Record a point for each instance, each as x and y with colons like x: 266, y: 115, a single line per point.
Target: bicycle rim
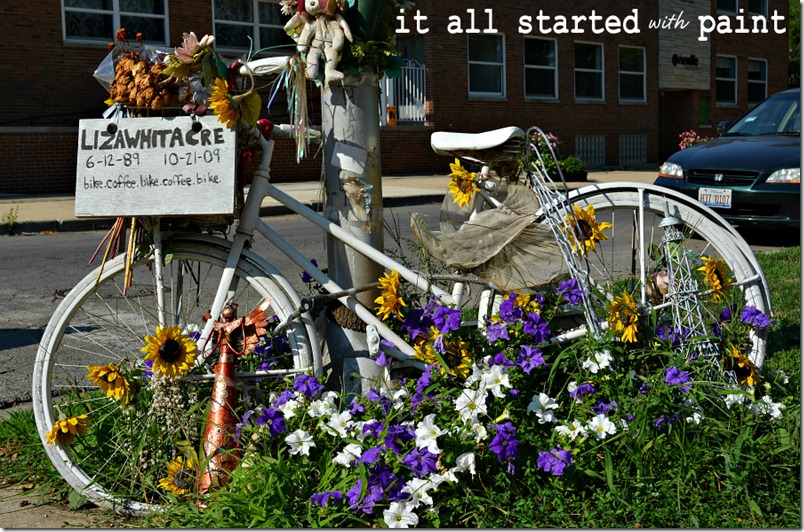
x: 633, y: 255
x: 126, y: 451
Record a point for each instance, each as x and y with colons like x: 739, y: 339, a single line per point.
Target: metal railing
x: 406, y: 93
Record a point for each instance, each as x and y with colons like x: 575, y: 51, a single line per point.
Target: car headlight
x: 787, y: 176
x: 671, y: 170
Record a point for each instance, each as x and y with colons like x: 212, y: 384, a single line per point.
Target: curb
x: 97, y: 224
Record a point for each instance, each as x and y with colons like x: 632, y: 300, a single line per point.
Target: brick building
x: 614, y: 96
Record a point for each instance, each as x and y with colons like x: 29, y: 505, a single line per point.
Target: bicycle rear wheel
x: 633, y: 256
x: 135, y: 435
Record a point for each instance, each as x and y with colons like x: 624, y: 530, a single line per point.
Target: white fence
x: 408, y: 93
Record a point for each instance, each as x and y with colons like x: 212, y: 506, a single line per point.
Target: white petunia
x: 400, y: 515
x: 696, y: 418
x: 601, y: 426
x: 543, y: 406
x: 464, y: 462
x: 289, y: 408
x: 733, y: 399
x: 471, y: 403
x: 349, y: 454
x: 324, y: 406
x: 600, y: 360
x: 493, y: 380
x: 573, y: 429
x: 300, y: 442
x: 427, y: 432
x: 766, y: 406
x: 418, y: 488
x: 338, y: 424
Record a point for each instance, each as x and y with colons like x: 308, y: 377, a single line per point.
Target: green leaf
x: 76, y: 500
x: 250, y: 104
x: 610, y: 473
x: 754, y: 507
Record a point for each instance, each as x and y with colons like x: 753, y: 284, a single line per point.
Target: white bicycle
x: 179, y: 276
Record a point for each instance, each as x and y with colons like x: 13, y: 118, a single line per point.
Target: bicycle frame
x: 251, y: 223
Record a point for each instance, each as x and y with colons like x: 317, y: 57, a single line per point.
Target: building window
x: 588, y: 71
x: 727, y: 6
x: 726, y: 80
x: 632, y: 74
x: 237, y: 21
x: 758, y: 7
x: 99, y: 20
x: 541, y: 73
x: 757, y: 80
x: 487, y: 66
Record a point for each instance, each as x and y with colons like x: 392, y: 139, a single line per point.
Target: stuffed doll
x: 318, y: 27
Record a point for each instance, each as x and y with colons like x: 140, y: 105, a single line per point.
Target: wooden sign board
x: 155, y: 167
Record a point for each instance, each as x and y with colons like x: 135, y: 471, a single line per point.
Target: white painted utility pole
x: 353, y: 178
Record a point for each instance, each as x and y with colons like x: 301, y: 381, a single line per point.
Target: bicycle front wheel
x: 129, y: 445
x: 631, y: 257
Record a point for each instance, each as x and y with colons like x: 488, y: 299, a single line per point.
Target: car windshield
x: 778, y: 115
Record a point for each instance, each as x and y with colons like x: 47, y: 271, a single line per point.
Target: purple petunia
x: 421, y: 461
x: 447, y: 319
x: 371, y: 455
x: 307, y: 385
x: 501, y: 360
x: 530, y: 357
x: 582, y: 389
x: 571, y: 292
x: 675, y: 377
x: 538, y: 327
x: 417, y: 323
x: 320, y: 499
x: 497, y: 331
x: 505, y: 443
x: 373, y: 428
x: 273, y: 419
x: 509, y: 311
x: 669, y: 334
x: 555, y: 461
x: 755, y: 317
x: 604, y: 408
x: 355, y: 407
x: 397, y: 436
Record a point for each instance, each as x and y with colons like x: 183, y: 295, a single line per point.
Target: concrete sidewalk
x: 38, y: 214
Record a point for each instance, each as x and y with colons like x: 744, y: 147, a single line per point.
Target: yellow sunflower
x: 181, y: 476
x: 389, y: 300
x: 462, y: 185
x: 64, y: 430
x: 584, y: 224
x: 716, y: 276
x: 745, y: 370
x: 109, y: 379
x: 458, y: 356
x: 172, y: 352
x: 221, y: 103
x: 623, y: 317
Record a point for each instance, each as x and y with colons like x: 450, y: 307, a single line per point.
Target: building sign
x: 689, y: 60
x: 155, y: 167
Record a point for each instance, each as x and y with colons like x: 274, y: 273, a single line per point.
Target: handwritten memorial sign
x: 155, y: 167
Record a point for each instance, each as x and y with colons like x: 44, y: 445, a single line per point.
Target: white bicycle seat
x: 448, y: 143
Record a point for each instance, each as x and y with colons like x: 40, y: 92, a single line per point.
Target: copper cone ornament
x: 220, y: 450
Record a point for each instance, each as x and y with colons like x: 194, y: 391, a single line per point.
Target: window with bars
x: 588, y: 71
x: 261, y: 21
x: 97, y: 21
x: 487, y: 66
x: 541, y: 71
